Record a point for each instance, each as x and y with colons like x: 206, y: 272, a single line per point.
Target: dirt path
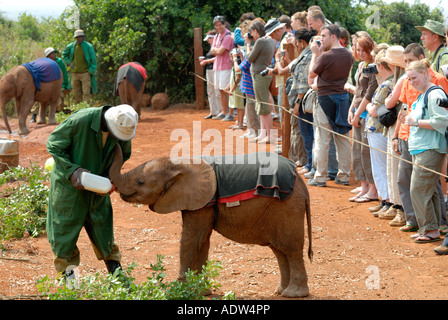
x: 356, y: 257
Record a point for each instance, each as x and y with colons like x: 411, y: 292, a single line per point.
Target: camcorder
x: 371, y: 68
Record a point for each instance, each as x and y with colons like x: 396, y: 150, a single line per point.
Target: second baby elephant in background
x: 241, y: 197
x: 130, y: 83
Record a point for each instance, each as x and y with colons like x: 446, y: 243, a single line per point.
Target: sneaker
x: 228, y: 118
x: 210, y: 116
x: 342, y: 183
x: 309, y: 175
x: 274, y: 115
x: 383, y: 209
x: 220, y: 116
x: 315, y: 183
x: 388, y: 214
x: 399, y: 220
x: 377, y: 207
x: 33, y: 117
x: 442, y: 250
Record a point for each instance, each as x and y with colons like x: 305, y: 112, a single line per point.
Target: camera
x: 249, y: 36
x: 442, y: 102
x: 235, y: 50
x: 371, y: 68
x: 264, y: 73
x: 319, y: 42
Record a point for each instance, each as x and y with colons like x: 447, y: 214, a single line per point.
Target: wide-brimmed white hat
x: 122, y: 121
x: 272, y: 25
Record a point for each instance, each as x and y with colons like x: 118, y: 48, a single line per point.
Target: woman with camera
x: 299, y: 68
x: 428, y: 147
x: 260, y: 57
x: 365, y: 87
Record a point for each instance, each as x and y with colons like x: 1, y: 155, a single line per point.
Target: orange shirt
x: 409, y: 95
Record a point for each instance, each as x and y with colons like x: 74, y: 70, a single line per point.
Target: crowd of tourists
x: 374, y: 111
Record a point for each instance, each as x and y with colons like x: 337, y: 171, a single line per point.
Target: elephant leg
x: 197, y: 227
x: 23, y: 107
x: 298, y: 281
x: 52, y: 111
x: 284, y: 270
x: 42, y: 113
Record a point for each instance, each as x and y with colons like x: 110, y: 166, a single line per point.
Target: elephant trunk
x: 119, y: 180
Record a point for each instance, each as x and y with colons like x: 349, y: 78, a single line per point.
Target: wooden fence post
x: 198, y: 69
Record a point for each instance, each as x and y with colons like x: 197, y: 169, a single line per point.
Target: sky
x: 53, y: 8
x: 38, y: 8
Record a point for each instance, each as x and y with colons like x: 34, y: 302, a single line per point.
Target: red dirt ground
x: 348, y: 241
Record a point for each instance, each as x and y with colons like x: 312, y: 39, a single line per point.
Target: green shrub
x: 23, y: 201
x: 121, y: 285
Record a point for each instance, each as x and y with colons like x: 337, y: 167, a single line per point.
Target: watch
x: 416, y: 123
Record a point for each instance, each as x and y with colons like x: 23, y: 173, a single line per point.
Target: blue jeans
x: 306, y: 129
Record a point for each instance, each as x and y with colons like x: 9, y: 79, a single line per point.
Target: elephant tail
x: 308, y: 219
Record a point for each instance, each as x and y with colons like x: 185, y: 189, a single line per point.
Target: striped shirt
x: 246, y: 84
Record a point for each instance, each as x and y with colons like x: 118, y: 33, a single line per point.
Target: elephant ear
x: 190, y: 187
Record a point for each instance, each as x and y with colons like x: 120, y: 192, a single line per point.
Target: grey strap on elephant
x: 247, y: 176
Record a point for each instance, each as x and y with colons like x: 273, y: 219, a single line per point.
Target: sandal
x: 408, y: 228
x: 356, y: 190
x: 365, y: 198
x: 426, y: 239
x: 353, y: 199
x: 443, y: 230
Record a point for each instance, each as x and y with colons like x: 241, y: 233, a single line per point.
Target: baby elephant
x: 243, y: 198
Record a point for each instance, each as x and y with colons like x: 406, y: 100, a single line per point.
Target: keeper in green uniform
x: 80, y: 58
x: 85, y: 142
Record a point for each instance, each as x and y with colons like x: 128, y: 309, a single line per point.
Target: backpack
x: 425, y: 105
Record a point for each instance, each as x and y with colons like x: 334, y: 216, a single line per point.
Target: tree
x: 397, y: 22
x: 159, y: 34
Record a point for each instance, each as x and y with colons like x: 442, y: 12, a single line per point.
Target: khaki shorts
x: 222, y: 79
x: 261, y: 89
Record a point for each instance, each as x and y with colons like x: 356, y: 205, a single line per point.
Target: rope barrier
x: 331, y: 131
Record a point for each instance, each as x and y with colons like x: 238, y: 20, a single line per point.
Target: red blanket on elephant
x: 134, y: 72
x: 43, y: 70
x: 248, y: 176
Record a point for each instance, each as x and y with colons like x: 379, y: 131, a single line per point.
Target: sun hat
x: 434, y: 27
x: 50, y: 50
x: 272, y: 25
x: 122, y: 121
x: 208, y: 37
x: 79, y: 33
x: 394, y: 56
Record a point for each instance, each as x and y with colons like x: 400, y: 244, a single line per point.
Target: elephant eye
x: 140, y: 182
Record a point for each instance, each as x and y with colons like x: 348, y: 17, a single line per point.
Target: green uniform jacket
x: 75, y: 143
x: 61, y: 64
x: 438, y: 59
x: 89, y: 54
